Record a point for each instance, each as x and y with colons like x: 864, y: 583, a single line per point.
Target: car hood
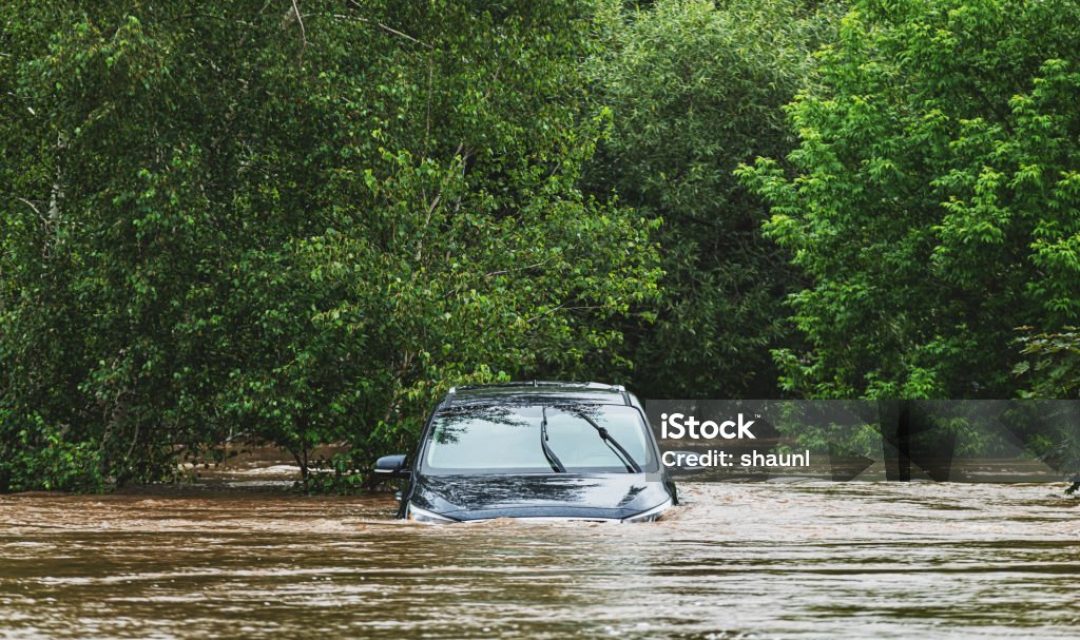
x: 557, y: 495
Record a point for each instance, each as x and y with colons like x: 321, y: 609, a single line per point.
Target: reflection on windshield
x: 452, y: 423
x: 579, y: 445
x: 508, y: 438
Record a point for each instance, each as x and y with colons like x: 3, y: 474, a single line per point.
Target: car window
x: 487, y: 437
x: 579, y: 445
x: 507, y: 438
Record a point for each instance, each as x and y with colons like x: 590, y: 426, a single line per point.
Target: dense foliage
x: 1052, y: 364
x: 299, y: 222
x: 225, y: 221
x: 935, y: 201
x: 695, y: 89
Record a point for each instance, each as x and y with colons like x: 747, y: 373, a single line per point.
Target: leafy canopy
x: 935, y: 198
x: 229, y: 220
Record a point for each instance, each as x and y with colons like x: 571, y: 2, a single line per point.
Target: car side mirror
x: 393, y: 466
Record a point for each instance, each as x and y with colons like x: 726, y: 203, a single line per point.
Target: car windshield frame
x: 650, y: 464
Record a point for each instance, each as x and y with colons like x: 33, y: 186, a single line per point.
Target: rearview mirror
x: 391, y: 465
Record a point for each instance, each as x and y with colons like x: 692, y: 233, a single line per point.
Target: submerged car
x: 555, y: 450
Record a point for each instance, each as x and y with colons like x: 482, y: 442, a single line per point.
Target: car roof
x: 539, y: 392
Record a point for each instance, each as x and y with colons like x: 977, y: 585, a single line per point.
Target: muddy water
x: 767, y: 560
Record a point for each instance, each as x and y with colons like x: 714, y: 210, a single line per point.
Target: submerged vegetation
x: 300, y: 222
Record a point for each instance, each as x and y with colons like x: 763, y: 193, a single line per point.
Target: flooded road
x: 768, y: 560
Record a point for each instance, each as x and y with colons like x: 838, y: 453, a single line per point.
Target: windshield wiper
x: 631, y: 465
x: 553, y: 459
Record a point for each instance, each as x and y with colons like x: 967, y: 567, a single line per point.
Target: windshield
x: 507, y: 438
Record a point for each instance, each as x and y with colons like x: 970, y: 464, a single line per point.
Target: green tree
x: 935, y: 198
x: 243, y: 220
x: 1051, y: 364
x: 695, y: 88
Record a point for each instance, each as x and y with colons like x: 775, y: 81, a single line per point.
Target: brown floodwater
x: 765, y: 560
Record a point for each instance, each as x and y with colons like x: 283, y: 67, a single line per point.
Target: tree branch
x: 303, y: 30
x: 390, y: 29
x: 32, y: 206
